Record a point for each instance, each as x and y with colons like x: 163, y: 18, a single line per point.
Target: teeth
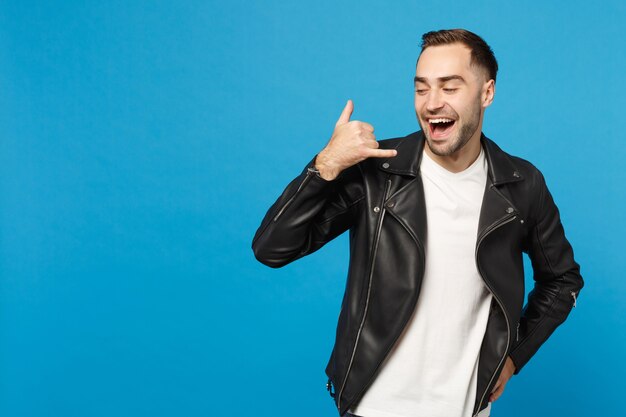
x: 442, y: 120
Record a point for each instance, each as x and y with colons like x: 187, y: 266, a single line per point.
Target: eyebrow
x: 441, y: 79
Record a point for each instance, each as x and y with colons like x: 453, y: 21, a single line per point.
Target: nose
x: 434, y: 101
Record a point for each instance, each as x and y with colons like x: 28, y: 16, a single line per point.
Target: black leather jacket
x: 381, y: 202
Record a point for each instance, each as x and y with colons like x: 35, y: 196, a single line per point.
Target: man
x: 431, y: 323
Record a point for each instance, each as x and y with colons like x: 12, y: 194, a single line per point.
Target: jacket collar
x: 502, y: 169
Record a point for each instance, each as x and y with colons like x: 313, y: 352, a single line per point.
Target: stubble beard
x: 466, y: 131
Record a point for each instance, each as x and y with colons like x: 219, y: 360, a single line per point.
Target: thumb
x: 346, y: 113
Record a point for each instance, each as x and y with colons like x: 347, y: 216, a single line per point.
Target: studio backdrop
x: 141, y: 143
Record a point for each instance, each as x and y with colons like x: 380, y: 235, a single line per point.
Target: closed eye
x: 450, y: 90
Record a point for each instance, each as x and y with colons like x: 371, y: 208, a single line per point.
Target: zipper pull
x: 574, y: 297
x: 517, y: 336
x: 329, y: 388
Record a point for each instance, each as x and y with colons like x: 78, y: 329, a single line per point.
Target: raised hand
x: 351, y: 143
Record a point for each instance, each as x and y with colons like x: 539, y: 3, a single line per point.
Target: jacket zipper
x: 494, y: 227
x: 369, y: 286
x: 574, y: 297
x: 293, y: 197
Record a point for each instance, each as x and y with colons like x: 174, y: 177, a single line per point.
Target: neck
x: 461, y: 159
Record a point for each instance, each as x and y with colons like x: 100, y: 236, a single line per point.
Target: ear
x: 488, y: 93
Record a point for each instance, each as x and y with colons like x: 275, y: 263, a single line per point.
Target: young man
x: 432, y: 322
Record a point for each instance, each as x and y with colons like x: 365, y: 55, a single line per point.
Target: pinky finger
x: 382, y: 153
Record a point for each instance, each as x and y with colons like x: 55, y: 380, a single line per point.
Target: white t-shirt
x: 432, y: 370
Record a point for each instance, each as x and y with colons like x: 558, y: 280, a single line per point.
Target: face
x: 450, y: 97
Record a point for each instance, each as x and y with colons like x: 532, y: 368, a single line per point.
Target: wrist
x: 325, y: 170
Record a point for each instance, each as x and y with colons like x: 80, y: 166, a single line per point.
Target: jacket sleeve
x: 310, y: 212
x: 556, y: 275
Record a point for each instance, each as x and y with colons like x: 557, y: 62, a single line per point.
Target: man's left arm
x: 556, y: 275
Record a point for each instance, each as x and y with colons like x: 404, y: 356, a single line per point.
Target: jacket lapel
x: 495, y: 206
x: 406, y: 200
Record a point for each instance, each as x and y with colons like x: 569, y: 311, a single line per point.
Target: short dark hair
x: 481, y: 53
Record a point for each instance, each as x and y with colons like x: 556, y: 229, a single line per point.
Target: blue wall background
x: 141, y: 143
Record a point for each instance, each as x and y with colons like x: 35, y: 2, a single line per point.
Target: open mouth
x: 440, y: 128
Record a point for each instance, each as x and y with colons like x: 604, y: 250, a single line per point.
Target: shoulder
x: 376, y: 169
x: 528, y: 189
x: 522, y: 168
x: 526, y: 167
x: 394, y: 143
